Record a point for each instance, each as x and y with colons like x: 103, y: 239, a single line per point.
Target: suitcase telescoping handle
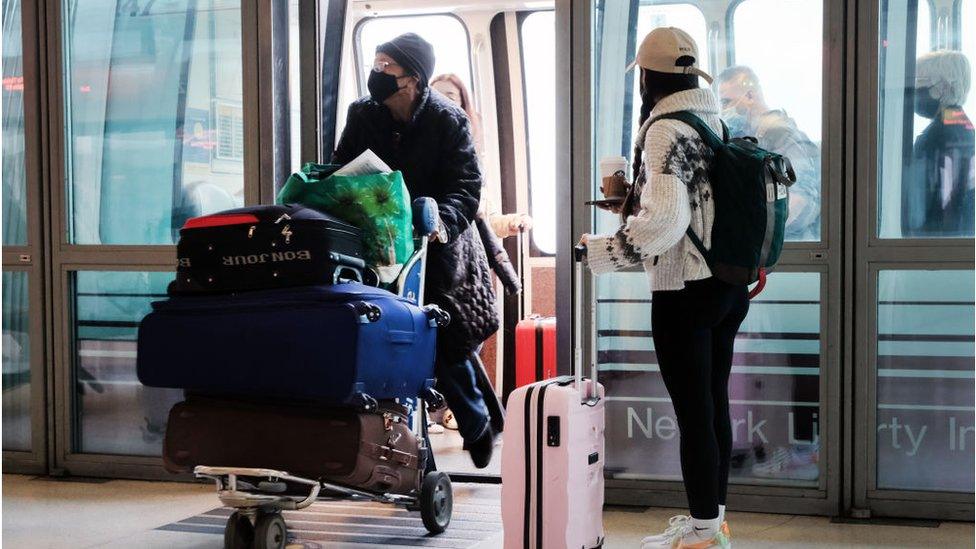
x: 579, y: 255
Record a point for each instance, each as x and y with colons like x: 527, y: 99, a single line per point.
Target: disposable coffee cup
x: 613, y: 170
x: 610, y: 165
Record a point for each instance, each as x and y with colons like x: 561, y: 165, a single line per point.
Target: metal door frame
x: 874, y: 254
x: 29, y: 258
x: 265, y: 151
x: 825, y: 257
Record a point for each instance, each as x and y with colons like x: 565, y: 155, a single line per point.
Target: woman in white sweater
x: 694, y: 316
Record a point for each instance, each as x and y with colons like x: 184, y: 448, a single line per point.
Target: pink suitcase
x: 552, y: 459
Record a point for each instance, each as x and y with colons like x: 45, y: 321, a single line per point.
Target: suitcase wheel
x: 270, y: 531
x: 436, y: 502
x: 434, y: 400
x: 369, y: 312
x: 438, y: 316
x: 239, y: 532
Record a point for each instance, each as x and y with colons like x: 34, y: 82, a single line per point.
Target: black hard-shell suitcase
x: 262, y: 247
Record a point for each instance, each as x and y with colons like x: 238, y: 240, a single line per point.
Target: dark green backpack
x: 750, y: 187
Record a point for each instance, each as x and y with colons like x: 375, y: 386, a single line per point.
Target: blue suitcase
x: 345, y: 344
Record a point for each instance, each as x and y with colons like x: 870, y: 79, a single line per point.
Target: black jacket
x: 937, y: 193
x: 436, y: 154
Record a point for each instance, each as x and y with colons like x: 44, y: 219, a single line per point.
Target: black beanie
x: 413, y: 53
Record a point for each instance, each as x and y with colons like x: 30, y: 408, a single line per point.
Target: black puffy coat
x: 435, y: 153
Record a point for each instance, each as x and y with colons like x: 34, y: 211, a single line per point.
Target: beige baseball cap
x: 669, y: 49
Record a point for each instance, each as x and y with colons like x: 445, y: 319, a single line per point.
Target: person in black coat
x: 937, y: 198
x: 427, y: 138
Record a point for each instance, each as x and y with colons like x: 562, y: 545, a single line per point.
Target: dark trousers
x: 456, y: 381
x: 694, y: 330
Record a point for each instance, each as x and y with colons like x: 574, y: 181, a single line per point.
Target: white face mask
x: 738, y: 123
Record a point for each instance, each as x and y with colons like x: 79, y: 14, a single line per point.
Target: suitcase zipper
x: 527, y: 511
x: 527, y: 520
x: 538, y: 458
x: 539, y: 351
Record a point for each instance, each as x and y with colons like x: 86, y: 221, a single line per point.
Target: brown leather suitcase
x: 376, y: 452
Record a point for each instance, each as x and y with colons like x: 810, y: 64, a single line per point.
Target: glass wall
x: 155, y: 129
x: 925, y: 136
x: 16, y: 362
x: 14, y: 224
x: 925, y: 380
x: 115, y: 413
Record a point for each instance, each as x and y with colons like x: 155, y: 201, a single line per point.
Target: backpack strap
x: 704, y: 130
x: 711, y: 140
x: 700, y: 245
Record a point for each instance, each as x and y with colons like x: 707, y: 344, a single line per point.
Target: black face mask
x: 382, y: 86
x: 926, y: 106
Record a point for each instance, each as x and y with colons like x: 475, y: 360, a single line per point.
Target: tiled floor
x: 39, y: 513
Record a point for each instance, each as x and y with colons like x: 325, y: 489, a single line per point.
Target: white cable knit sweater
x: 674, y: 192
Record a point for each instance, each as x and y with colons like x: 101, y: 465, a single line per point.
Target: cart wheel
x: 239, y: 532
x: 270, y: 531
x: 436, y: 501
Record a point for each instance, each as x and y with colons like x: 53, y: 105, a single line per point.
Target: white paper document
x: 365, y: 164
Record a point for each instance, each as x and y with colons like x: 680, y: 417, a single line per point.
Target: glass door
x: 24, y: 446
x: 785, y: 376
x: 914, y: 422
x: 153, y: 131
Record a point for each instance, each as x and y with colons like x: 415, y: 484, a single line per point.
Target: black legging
x: 694, y: 330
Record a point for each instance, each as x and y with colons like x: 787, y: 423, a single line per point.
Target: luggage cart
x: 260, y: 495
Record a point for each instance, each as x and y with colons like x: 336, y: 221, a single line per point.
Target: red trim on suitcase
x: 220, y: 220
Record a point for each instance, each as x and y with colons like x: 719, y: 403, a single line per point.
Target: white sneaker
x: 678, y: 526
x: 435, y: 428
x: 699, y: 540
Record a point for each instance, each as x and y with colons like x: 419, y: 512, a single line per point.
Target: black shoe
x: 482, y: 448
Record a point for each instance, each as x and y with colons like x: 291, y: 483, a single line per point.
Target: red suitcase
x: 535, y: 338
x: 535, y: 350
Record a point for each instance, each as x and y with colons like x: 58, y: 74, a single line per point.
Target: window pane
x: 967, y: 12
x: 775, y: 94
x: 115, y: 413
x: 14, y: 178
x: 295, y: 85
x: 684, y: 16
x: 444, y: 32
x: 925, y: 380
x: 923, y: 43
x: 16, y: 363
x: 774, y: 386
x: 926, y: 140
x: 155, y: 129
x: 538, y: 59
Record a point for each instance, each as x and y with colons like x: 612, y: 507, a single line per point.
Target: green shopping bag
x: 379, y: 204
